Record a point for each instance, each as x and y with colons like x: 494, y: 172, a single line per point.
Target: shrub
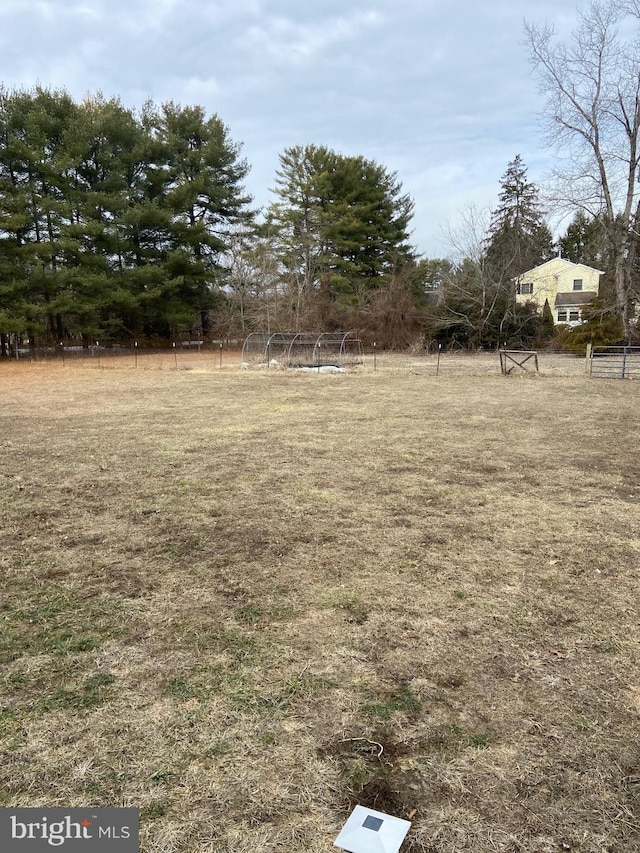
x: 602, y: 327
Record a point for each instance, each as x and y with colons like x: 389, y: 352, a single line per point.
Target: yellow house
x: 568, y: 287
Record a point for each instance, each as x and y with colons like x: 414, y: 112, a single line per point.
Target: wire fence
x: 178, y: 354
x: 216, y: 355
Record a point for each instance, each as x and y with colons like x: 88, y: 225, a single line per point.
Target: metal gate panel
x: 614, y: 362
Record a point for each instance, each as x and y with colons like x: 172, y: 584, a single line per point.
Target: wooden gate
x: 517, y: 359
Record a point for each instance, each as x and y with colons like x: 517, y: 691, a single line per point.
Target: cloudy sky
x: 440, y: 92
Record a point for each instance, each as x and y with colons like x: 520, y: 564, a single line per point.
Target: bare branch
x: 591, y: 86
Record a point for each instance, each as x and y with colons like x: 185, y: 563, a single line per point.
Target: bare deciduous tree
x: 254, y: 280
x: 591, y: 85
x: 474, y: 303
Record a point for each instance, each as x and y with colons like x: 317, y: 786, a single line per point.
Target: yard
x: 244, y: 601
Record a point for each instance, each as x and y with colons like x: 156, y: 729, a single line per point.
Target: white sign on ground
x: 368, y: 831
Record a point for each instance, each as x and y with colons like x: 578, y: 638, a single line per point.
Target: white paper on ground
x: 369, y: 831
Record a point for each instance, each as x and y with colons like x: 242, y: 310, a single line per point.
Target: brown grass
x: 225, y: 591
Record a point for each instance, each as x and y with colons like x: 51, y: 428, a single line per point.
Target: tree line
x: 112, y: 222
x: 118, y: 223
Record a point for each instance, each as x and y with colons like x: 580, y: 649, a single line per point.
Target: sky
x: 442, y: 93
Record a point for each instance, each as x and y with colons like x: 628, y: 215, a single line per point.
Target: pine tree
x: 112, y: 222
x: 205, y: 198
x: 519, y: 239
x: 34, y: 196
x: 584, y: 241
x: 340, y: 223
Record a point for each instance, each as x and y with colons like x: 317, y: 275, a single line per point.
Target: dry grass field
x: 246, y: 601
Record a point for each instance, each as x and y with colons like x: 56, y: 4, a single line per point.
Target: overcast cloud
x: 440, y: 92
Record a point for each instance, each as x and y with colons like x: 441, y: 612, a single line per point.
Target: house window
x: 574, y: 315
x: 577, y: 284
x: 562, y: 316
x: 526, y: 289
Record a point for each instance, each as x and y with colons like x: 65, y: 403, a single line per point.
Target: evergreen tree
x: 297, y: 216
x: 340, y: 223
x: 33, y: 198
x: 104, y: 153
x: 546, y: 323
x: 204, y: 198
x: 112, y: 222
x: 584, y: 241
x: 519, y: 238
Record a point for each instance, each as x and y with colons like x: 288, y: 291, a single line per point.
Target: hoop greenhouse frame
x: 303, y: 349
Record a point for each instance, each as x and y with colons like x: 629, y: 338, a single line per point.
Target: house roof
x: 579, y: 297
x: 522, y: 277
